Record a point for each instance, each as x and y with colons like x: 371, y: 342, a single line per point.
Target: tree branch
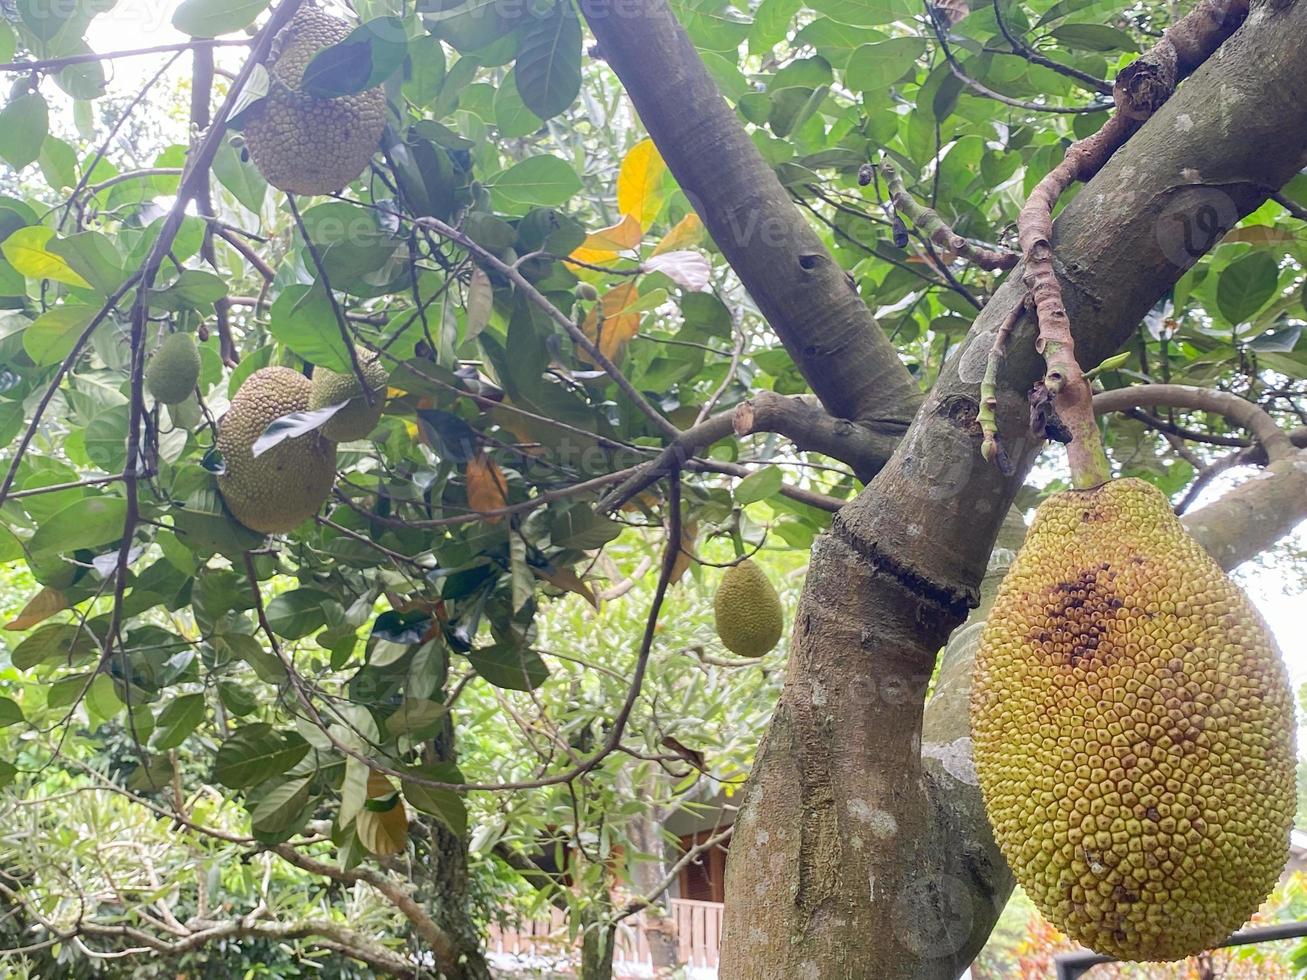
x: 443, y: 947
x: 1239, y: 411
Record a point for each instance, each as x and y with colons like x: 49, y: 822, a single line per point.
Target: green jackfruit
x: 748, y: 611
x: 280, y: 489
x: 303, y: 144
x: 174, y: 369
x: 1133, y: 730
x: 357, y: 419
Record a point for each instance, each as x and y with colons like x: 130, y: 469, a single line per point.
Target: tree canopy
x: 655, y: 286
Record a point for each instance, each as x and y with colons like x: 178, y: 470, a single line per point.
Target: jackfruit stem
x: 1074, y: 400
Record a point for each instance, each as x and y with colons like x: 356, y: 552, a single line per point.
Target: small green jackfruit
x: 280, y: 489
x: 174, y: 369
x: 357, y: 419
x: 299, y: 142
x: 748, y: 611
x: 1133, y: 729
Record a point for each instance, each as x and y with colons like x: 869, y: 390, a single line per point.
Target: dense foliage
x: 488, y: 640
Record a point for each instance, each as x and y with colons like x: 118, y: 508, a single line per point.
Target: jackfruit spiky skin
x: 283, y: 487
x: 748, y: 611
x: 357, y: 419
x: 303, y: 144
x: 174, y: 369
x: 1133, y: 730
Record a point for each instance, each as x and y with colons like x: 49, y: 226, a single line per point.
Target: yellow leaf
x: 487, y: 490
x: 620, y: 322
x: 383, y: 830
x: 640, y: 182
x: 687, y: 233
x: 39, y: 608
x: 593, y: 256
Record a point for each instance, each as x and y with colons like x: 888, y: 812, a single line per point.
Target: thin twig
x: 558, y: 316
x: 1024, y: 50
x: 956, y: 68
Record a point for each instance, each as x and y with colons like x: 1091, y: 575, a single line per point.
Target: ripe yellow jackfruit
x: 283, y: 487
x: 1133, y: 729
x: 748, y: 611
x: 357, y: 419
x: 299, y: 142
x: 174, y: 369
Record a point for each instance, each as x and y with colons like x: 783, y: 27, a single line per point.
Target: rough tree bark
x: 848, y: 861
x: 445, y: 883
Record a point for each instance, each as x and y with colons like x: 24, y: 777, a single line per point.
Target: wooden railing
x: 545, y: 941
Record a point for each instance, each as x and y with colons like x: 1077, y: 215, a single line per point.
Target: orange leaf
x: 39, y: 608
x: 689, y: 532
x: 640, y: 182
x: 621, y: 321
x: 687, y: 233
x: 487, y: 490
x: 568, y: 580
x: 623, y: 236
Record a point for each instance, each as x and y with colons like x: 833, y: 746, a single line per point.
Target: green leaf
x: 875, y: 66
x: 8, y: 42
x: 510, y: 667
x: 864, y: 13
x: 27, y: 251
x: 283, y: 808
x: 418, y: 717
x: 581, y: 528
x: 193, y: 289
x: 512, y: 117
x: 210, y: 18
x: 58, y: 162
x: 241, y: 178
x: 297, y: 614
x: 536, y: 181
x: 178, y: 719
x: 67, y: 642
x: 759, y: 486
x: 792, y: 107
x: 363, y: 60
x: 51, y: 336
x: 102, y: 699
x: 446, y: 805
x: 548, y: 71
x: 86, y: 523
x: 24, y: 123
x: 1245, y: 286
x: 1094, y: 37
x: 297, y: 318
x: 426, y: 69
x: 10, y: 713
x: 92, y: 256
x: 255, y: 753
x: 7, y: 773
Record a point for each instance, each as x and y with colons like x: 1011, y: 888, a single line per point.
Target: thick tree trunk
x: 647, y: 874
x: 445, y: 884
x: 598, y: 942
x: 844, y: 863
